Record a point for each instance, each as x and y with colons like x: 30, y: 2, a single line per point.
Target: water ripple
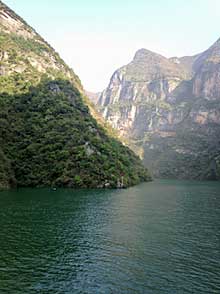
x: 157, y: 238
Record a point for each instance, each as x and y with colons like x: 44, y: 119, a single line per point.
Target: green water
x: 161, y: 237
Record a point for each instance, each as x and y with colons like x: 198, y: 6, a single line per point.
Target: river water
x: 156, y: 238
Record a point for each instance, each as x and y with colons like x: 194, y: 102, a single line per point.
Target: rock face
x: 169, y: 110
x: 47, y: 135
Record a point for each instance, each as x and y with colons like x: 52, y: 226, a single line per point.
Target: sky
x: 95, y: 37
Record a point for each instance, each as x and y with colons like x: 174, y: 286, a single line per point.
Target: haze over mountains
x: 47, y: 135
x: 169, y: 111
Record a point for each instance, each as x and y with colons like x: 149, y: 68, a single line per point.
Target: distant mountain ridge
x: 48, y: 136
x: 169, y: 111
x: 94, y: 97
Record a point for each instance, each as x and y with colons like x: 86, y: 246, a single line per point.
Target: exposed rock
x: 53, y: 87
x: 11, y: 23
x: 169, y: 107
x: 89, y: 150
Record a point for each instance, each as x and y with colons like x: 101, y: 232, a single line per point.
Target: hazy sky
x: 95, y: 37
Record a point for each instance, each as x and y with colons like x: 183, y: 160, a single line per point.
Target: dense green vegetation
x: 7, y: 179
x: 50, y: 138
x: 47, y: 135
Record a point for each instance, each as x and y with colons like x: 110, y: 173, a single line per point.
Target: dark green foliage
x: 52, y: 140
x: 7, y: 179
x: 47, y: 134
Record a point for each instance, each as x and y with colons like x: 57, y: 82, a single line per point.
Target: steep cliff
x: 47, y: 134
x: 169, y: 110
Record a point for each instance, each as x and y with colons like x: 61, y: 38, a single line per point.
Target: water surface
x: 156, y: 238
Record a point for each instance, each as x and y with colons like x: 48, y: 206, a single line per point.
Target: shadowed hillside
x: 47, y: 135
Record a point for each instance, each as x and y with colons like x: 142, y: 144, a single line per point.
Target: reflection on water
x: 161, y: 238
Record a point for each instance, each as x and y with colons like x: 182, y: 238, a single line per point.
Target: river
x: 155, y: 238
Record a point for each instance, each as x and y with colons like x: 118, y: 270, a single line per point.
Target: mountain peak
x: 143, y: 54
x: 159, y: 104
x: 147, y: 65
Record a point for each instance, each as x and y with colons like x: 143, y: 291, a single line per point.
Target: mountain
x: 47, y: 135
x: 169, y: 111
x: 94, y: 97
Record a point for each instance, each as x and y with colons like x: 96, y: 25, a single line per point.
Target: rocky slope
x: 47, y: 134
x: 169, y: 110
